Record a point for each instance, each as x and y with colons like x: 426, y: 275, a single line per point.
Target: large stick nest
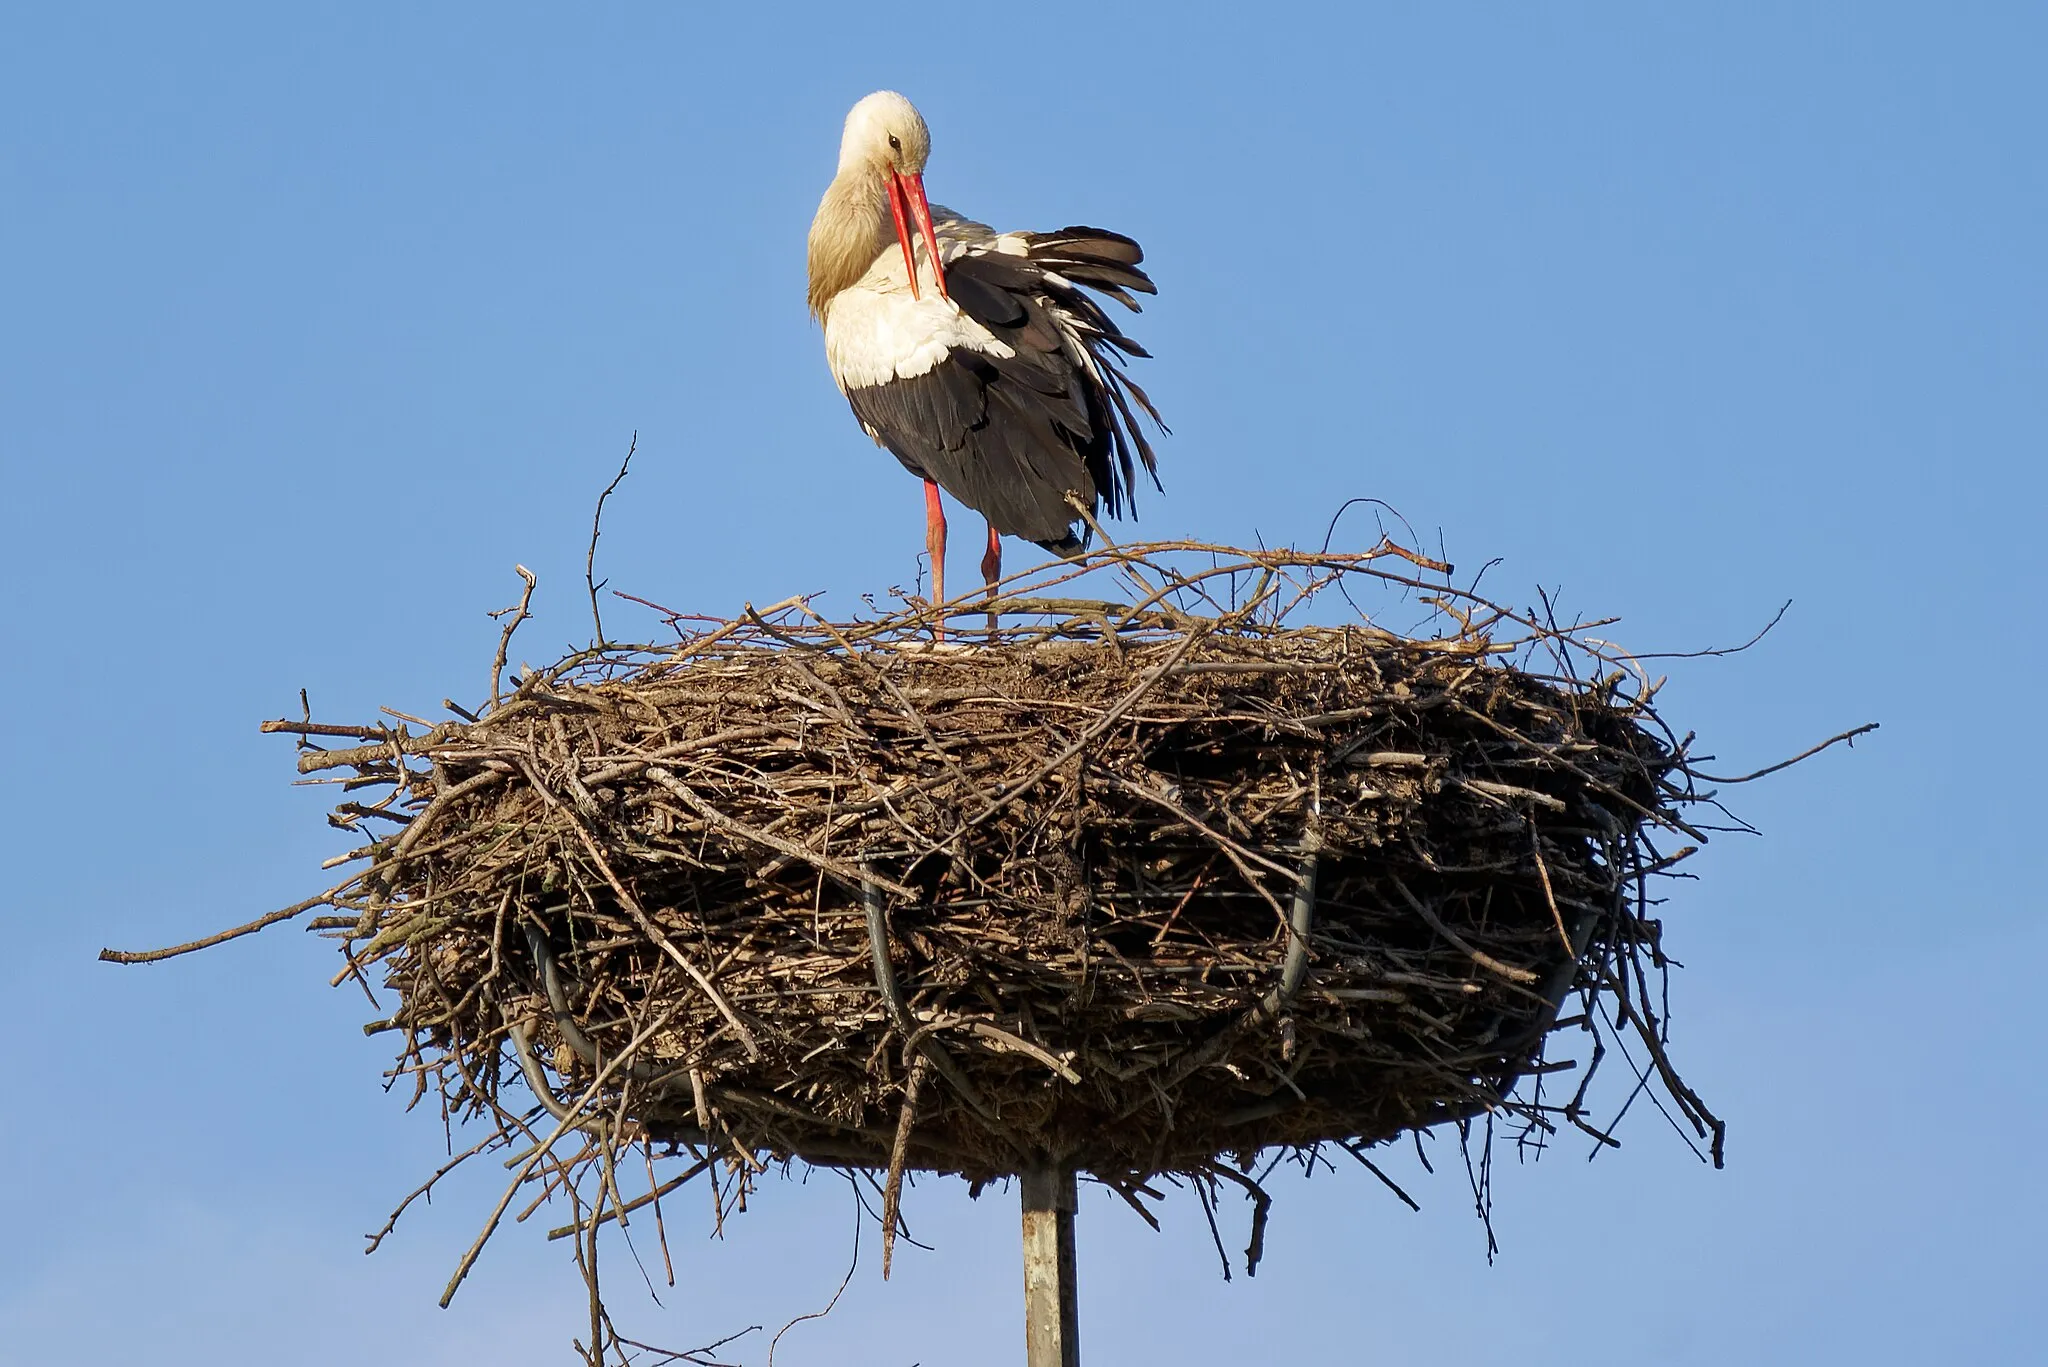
x: 1123, y: 886
x: 1139, y: 887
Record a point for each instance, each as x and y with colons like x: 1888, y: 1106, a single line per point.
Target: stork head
x: 885, y: 132
x: 886, y: 137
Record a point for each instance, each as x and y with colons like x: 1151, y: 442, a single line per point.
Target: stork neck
x: 851, y: 229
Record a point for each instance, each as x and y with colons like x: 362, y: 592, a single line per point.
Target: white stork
x: 974, y: 356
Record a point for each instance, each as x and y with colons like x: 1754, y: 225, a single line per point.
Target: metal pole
x: 1051, y: 1301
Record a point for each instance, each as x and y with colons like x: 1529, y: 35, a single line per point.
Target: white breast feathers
x: 875, y: 332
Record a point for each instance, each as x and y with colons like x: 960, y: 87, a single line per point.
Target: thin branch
x: 596, y: 528
x: 1812, y: 750
x: 519, y: 611
x: 150, y: 956
x: 844, y: 1282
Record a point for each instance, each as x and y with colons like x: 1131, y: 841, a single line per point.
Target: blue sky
x: 314, y: 319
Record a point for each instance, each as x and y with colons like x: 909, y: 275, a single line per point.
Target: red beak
x: 907, y: 201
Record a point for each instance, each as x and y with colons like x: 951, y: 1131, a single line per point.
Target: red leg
x: 991, y: 571
x: 992, y: 559
x: 935, y: 544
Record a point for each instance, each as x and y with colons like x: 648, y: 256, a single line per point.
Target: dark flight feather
x: 1011, y: 436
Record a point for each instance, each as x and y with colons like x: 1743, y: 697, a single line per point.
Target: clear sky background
x: 315, y: 318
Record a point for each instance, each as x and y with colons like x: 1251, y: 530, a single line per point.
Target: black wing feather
x: 1012, y: 436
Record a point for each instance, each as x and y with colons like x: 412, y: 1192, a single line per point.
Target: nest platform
x: 1118, y: 886
x: 1143, y: 887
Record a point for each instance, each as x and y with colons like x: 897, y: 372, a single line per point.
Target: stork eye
x: 894, y: 145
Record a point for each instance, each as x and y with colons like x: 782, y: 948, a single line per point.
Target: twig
x: 837, y: 867
x: 914, y: 1040
x: 1812, y: 750
x: 1478, y: 956
x: 1262, y: 1205
x: 1776, y: 618
x: 424, y: 1188
x: 562, y: 1127
x: 150, y: 956
x: 651, y: 1197
x: 596, y: 526
x: 892, y: 1192
x: 844, y: 1282
x: 519, y: 612
x: 1388, y: 1182
x: 1108, y: 719
x: 653, y: 932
